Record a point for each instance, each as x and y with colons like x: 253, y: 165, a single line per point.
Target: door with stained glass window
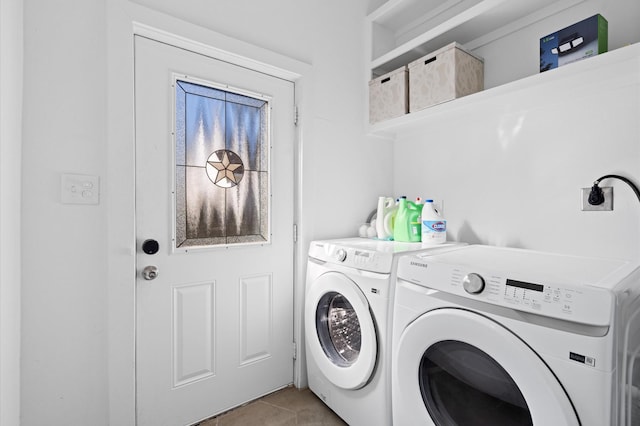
x: 214, y: 224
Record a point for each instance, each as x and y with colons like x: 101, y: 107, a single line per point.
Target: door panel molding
x: 256, y: 319
x: 193, y: 333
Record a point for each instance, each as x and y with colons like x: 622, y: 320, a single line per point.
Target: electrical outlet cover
x: 607, y: 191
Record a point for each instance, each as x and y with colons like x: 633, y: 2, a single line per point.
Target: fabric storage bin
x: 388, y: 96
x: 443, y: 75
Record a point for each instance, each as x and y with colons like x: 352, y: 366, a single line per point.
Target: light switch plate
x: 80, y: 189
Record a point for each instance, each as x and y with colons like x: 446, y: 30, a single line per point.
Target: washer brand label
x: 587, y: 360
x: 422, y: 265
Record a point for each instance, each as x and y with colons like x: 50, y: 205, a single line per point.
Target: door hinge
x: 295, y: 233
x: 295, y: 115
x: 295, y: 350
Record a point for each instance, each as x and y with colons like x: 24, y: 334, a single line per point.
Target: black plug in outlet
x: 588, y: 199
x: 596, y: 197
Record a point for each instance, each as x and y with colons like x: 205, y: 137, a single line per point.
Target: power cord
x: 596, y: 197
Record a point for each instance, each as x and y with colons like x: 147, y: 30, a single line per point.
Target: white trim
x: 213, y: 52
x: 11, y: 83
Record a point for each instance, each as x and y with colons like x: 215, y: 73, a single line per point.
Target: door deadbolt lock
x: 150, y: 246
x: 150, y: 273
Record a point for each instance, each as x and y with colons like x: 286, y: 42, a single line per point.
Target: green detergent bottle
x: 400, y: 225
x: 415, y: 223
x: 406, y: 227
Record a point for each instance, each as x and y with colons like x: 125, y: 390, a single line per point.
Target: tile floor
x: 289, y: 406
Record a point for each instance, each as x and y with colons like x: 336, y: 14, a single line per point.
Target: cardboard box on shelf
x: 581, y: 40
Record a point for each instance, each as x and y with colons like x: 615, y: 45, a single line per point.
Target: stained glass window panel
x: 222, y: 167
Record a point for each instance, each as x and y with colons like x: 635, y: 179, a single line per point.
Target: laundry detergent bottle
x: 415, y: 213
x: 434, y: 226
x: 390, y: 220
x: 401, y: 222
x: 384, y: 216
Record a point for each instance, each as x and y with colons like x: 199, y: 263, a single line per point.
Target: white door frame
x: 126, y: 19
x: 11, y: 79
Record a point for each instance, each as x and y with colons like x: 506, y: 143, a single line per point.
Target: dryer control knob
x: 473, y: 283
x: 341, y: 255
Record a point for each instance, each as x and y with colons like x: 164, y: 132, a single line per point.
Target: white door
x: 214, y: 219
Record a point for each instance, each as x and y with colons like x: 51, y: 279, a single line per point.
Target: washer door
x: 455, y: 367
x: 340, y: 332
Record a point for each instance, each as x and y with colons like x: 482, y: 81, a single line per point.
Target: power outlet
x: 607, y: 191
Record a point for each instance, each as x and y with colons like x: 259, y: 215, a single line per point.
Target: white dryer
x: 347, y: 324
x: 497, y: 336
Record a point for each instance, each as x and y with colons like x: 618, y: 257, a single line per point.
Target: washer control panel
x: 589, y: 305
x: 573, y: 302
x: 371, y: 255
x: 352, y: 257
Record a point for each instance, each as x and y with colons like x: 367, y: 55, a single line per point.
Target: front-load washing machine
x: 347, y: 321
x: 498, y: 336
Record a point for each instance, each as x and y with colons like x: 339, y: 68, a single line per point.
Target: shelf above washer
x: 404, y: 30
x: 567, y: 81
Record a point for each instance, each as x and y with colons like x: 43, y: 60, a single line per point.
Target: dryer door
x: 455, y: 367
x: 340, y: 332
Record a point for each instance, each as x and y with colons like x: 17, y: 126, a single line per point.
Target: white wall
x: 64, y: 345
x: 79, y: 273
x: 510, y: 167
x: 10, y: 243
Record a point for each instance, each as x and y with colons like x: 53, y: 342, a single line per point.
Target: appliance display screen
x: 525, y: 285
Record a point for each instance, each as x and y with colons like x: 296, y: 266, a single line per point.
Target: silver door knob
x: 150, y: 273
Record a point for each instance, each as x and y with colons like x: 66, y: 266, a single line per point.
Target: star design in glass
x: 225, y: 168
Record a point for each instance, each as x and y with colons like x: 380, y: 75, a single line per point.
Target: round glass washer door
x: 456, y: 367
x: 462, y: 385
x: 340, y: 330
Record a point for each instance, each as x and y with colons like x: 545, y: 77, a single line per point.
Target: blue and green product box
x: 579, y: 41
